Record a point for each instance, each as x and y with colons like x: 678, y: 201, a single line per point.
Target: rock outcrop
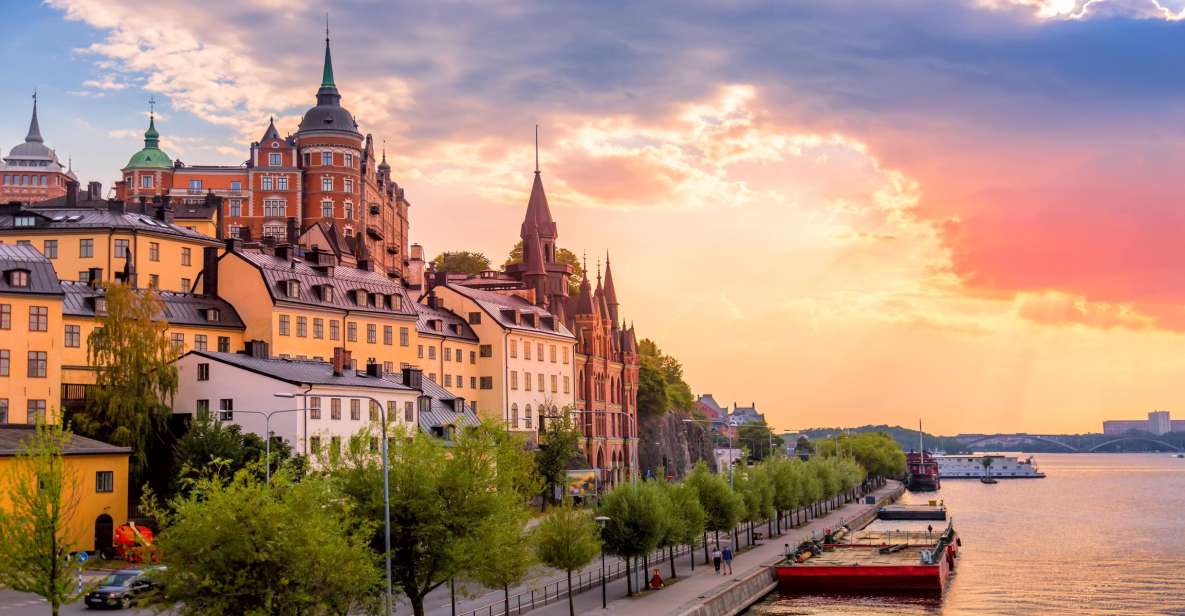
x: 666, y: 441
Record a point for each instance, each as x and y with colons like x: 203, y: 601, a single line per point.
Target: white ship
x: 971, y: 466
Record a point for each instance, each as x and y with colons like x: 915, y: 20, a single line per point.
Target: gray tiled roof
x: 345, y: 279
x: 440, y: 412
x: 12, y: 438
x: 95, y: 218
x: 42, y: 278
x: 180, y: 308
x: 493, y: 303
x: 451, y: 325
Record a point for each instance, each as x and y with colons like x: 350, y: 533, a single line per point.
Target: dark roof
x: 451, y: 325
x: 67, y: 218
x: 495, y: 303
x: 194, y: 211
x: 441, y: 411
x: 180, y: 308
x: 538, y: 219
x: 12, y: 438
x: 42, y: 278
x: 343, y: 280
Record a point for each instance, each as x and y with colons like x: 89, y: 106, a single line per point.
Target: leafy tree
x: 43, y: 495
x: 688, y: 519
x: 563, y: 255
x: 786, y: 479
x: 759, y: 438
x: 239, y: 546
x: 507, y: 554
x: 660, y: 381
x: 212, y: 447
x: 653, y: 398
x: 637, y: 523
x: 135, y: 377
x: 559, y: 445
x: 723, y: 508
x: 461, y: 262
x: 567, y: 540
x: 877, y: 452
x: 756, y: 489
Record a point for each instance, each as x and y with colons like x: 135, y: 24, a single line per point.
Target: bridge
x: 1074, y: 444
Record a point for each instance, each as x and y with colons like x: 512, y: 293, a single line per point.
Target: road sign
x: 82, y: 557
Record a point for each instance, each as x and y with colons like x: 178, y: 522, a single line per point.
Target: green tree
x: 637, y: 523
x: 567, y: 540
x: 507, y: 553
x: 688, y: 519
x: 759, y: 438
x: 239, y: 546
x: 42, y: 494
x: 660, y: 381
x: 877, y: 452
x: 723, y: 508
x: 786, y: 479
x: 135, y: 378
x: 756, y: 489
x: 461, y: 262
x: 563, y: 255
x: 211, y: 447
x: 559, y: 445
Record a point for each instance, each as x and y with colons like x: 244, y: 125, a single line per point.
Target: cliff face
x: 667, y: 441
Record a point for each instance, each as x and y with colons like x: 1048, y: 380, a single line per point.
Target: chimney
x: 71, y: 193
x: 94, y: 191
x: 116, y: 207
x: 413, y: 378
x: 293, y: 231
x: 374, y: 369
x: 256, y: 349
x: 94, y: 277
x: 233, y: 244
x: 284, y: 251
x: 210, y: 271
x: 366, y: 264
x: 164, y: 211
x: 341, y: 360
x: 144, y: 203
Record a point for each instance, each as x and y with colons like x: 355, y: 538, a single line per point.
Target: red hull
x: 904, y: 578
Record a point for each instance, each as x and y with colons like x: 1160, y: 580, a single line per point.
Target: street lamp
x: 267, y: 435
x: 602, y: 519
x: 386, y: 486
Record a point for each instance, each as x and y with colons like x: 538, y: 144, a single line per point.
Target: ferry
x: 877, y: 561
x: 971, y: 466
x: 921, y: 472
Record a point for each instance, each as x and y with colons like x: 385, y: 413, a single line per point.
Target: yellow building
x: 30, y: 336
x: 87, y: 239
x: 99, y: 474
x: 304, y: 305
x: 450, y: 353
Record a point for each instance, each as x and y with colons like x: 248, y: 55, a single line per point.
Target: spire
x: 538, y: 219
x: 327, y: 71
x: 271, y: 132
x: 151, y: 137
x: 383, y: 164
x: 610, y: 292
x: 584, y: 304
x: 34, y: 135
x: 536, y: 138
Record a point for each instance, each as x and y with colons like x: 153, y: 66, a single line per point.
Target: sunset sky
x: 964, y: 211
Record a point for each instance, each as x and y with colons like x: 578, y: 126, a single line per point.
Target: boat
x: 921, y: 472
x: 1001, y: 466
x: 933, y: 511
x: 988, y: 479
x: 874, y: 561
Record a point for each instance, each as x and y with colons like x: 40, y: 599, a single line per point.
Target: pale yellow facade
x: 455, y: 364
x: 30, y: 357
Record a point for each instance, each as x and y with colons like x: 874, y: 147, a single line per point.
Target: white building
x: 1158, y: 423
x: 312, y: 404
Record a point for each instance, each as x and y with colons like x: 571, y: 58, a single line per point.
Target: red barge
x: 874, y: 561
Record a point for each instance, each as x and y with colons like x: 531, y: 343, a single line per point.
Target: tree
x: 42, y: 495
x: 507, y: 554
x: 567, y: 540
x: 723, y: 508
x: 877, y: 452
x: 660, y: 381
x: 135, y: 378
x: 637, y: 522
x: 240, y: 546
x: 563, y: 255
x: 688, y: 517
x: 759, y: 438
x: 461, y: 262
x: 211, y: 447
x: 786, y: 479
x: 559, y: 445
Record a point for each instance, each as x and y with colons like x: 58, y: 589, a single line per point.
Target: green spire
x: 151, y: 137
x: 327, y: 73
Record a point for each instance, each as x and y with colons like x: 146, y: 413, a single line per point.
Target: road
x: 26, y: 604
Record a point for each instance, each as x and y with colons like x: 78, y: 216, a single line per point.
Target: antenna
x: 151, y: 105
x: 326, y: 26
x: 34, y: 97
x: 536, y: 148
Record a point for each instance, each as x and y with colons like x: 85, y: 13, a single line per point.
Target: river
x: 1100, y: 534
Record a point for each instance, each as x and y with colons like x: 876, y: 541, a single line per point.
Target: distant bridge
x: 1070, y: 444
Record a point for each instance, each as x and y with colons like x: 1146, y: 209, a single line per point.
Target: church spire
x: 610, y: 292
x: 34, y: 135
x: 327, y: 70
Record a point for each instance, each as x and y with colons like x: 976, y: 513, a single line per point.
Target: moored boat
x: 998, y: 466
x: 921, y: 472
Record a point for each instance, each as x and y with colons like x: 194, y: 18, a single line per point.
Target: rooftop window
x: 18, y: 278
x: 24, y: 221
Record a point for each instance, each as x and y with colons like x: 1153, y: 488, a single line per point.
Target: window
x: 526, y: 349
x: 18, y: 278
x: 555, y: 384
x: 5, y: 362
x: 335, y: 330
x: 86, y: 248
x: 276, y: 230
x: 186, y: 284
x: 186, y: 256
x: 35, y: 410
x: 541, y: 388
x: 38, y: 319
x: 3, y: 411
x: 326, y: 183
x: 195, y: 185
x: 104, y: 481
x: 513, y: 415
x: 302, y: 327
x: 351, y: 332
x: 265, y: 183
x: 284, y: 325
x: 372, y: 334
x: 552, y: 353
x: 203, y: 372
x: 154, y: 251
x: 236, y: 185
x: 473, y: 357
x: 314, y: 408
x: 327, y: 209
x: 153, y: 281
x: 388, y: 367
x: 567, y: 384
x: 326, y: 158
x: 355, y: 409
x: 404, y: 337
x: 472, y: 382
x: 475, y: 318
x: 51, y: 249
x: 420, y: 351
x: 318, y: 328
x: 349, y: 207
x: 388, y: 335
x: 315, y: 444
x: 448, y: 380
x: 527, y: 417
x: 409, y: 411
x: 349, y: 159
x: 335, y: 408
x: 539, y: 351
x: 514, y: 379
x: 273, y: 159
x: 292, y: 288
x: 274, y: 207
x: 200, y: 342
x: 178, y: 340
x: 448, y: 354
x: 224, y: 344
x: 487, y: 350
x: 226, y: 409
x: 514, y: 348
x: 487, y: 382
x: 348, y: 184
x: 146, y: 181
x: 38, y: 364
x: 565, y: 355
x: 121, y: 249
x: 282, y: 182
x: 431, y: 352
x: 24, y: 221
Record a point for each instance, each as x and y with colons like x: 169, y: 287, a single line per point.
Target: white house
x: 312, y: 404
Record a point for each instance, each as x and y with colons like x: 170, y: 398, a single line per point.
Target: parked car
x: 120, y: 589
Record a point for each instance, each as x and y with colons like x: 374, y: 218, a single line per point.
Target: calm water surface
x: 1101, y: 534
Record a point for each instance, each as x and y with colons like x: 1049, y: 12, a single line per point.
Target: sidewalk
x: 689, y: 590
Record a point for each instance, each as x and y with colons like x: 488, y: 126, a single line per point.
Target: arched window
x: 514, y: 415
x: 527, y: 415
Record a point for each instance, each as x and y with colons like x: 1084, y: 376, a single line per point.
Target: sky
x: 966, y: 212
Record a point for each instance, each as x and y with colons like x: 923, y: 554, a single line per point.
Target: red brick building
x: 32, y: 172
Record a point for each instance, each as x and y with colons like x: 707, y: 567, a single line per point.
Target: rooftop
x: 509, y: 310
x: 42, y: 278
x: 89, y: 215
x: 311, y: 280
x: 12, y: 438
x: 447, y: 323
x: 180, y: 308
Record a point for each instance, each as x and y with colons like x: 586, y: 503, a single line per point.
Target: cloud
x: 1083, y: 9
x: 106, y: 82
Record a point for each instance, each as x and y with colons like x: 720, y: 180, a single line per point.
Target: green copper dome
x: 151, y: 157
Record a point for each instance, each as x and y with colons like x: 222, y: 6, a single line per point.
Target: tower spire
x: 327, y: 70
x: 536, y: 149
x: 34, y: 128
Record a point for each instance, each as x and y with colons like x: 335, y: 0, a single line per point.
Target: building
x: 32, y: 172
x: 327, y: 174
x: 316, y: 406
x: 707, y: 406
x: 31, y: 324
x: 1158, y: 423
x: 99, y: 474
x: 742, y: 415
x: 449, y: 351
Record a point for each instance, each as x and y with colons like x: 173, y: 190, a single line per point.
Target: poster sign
x: 582, y: 482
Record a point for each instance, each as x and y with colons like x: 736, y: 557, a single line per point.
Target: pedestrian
x: 787, y: 552
x: 656, y: 580
x: 716, y: 560
x: 727, y: 555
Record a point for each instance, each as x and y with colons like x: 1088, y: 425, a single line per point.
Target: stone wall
x: 668, y: 441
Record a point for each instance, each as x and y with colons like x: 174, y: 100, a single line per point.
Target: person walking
x: 716, y: 560
x: 727, y: 555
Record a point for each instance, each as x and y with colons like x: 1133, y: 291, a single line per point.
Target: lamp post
x: 386, y: 486
x: 267, y: 435
x: 602, y: 519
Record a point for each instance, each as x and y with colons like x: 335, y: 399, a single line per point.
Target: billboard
x: 582, y: 482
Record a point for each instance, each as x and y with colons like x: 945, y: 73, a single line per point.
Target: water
x: 1101, y: 534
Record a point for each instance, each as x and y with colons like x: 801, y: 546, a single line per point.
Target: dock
x: 933, y: 511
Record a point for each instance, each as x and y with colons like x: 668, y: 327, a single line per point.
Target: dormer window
x: 212, y: 315
x: 18, y: 278
x: 325, y: 292
x: 24, y: 220
x: 100, y: 305
x: 292, y: 288
x: 529, y: 319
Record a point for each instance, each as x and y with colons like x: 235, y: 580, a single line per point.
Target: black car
x: 120, y: 589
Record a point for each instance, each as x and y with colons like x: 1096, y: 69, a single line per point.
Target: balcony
x: 392, y: 249
x: 374, y: 232
x: 375, y: 210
